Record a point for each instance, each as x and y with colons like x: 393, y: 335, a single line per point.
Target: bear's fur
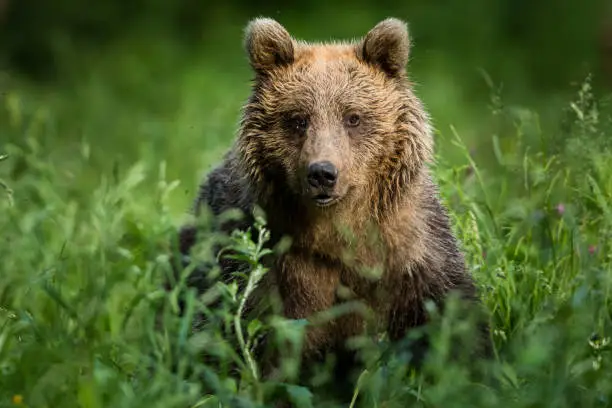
x: 349, y: 104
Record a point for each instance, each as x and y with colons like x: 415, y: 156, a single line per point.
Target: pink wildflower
x: 560, y: 208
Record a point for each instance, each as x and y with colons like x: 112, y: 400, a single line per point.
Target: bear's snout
x: 322, y: 174
x: 322, y: 179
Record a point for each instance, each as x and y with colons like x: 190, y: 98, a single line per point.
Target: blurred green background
x: 164, y: 80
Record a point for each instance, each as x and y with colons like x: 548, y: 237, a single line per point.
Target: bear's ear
x: 387, y: 46
x: 268, y: 44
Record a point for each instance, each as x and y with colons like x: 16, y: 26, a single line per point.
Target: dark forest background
x: 548, y: 43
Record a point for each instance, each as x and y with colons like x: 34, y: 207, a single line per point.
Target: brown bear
x: 333, y: 139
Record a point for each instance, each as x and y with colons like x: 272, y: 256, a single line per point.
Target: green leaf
x: 253, y: 327
x: 300, y: 396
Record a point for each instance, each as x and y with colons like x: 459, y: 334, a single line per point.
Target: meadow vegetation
x: 97, y: 171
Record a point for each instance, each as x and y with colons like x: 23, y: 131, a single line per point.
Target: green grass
x: 98, y: 172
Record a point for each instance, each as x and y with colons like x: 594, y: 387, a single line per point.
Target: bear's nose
x: 322, y: 174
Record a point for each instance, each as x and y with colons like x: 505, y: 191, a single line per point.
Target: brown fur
x: 385, y: 194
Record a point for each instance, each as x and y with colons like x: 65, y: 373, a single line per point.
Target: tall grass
x: 87, y: 227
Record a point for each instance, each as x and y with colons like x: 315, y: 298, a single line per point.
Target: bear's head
x: 332, y: 125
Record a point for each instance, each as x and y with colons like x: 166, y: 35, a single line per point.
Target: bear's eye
x: 353, y: 120
x: 299, y: 123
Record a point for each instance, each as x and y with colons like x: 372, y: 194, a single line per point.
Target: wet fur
x: 391, y: 204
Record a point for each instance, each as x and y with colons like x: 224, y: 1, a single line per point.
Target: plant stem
x: 251, y: 284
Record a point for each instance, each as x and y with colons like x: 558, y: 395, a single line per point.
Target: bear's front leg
x: 414, y: 286
x: 307, y: 286
x: 407, y: 292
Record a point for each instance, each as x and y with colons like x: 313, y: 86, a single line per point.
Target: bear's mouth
x: 324, y: 200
